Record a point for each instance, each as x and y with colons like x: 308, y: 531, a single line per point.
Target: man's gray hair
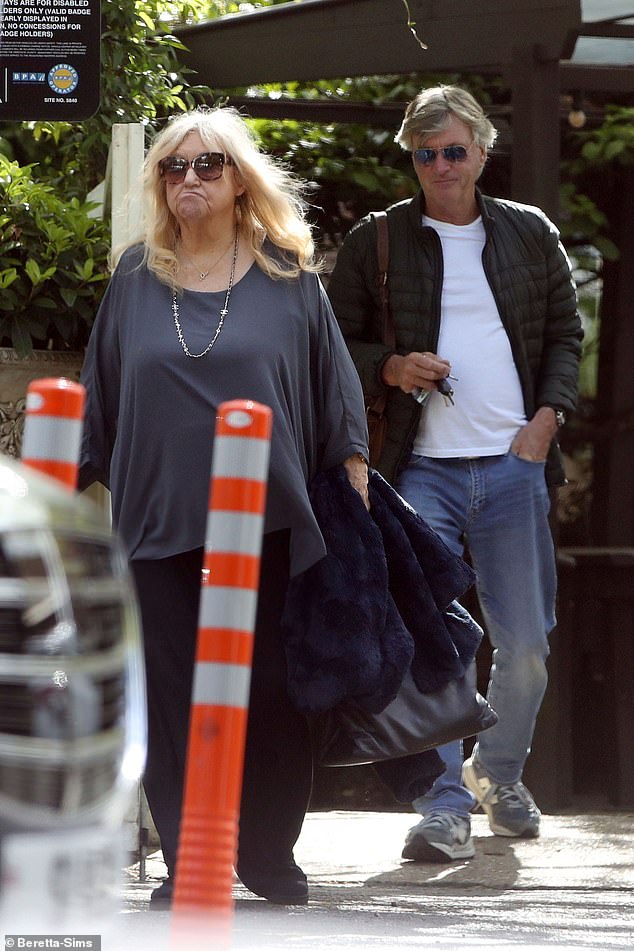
x: 433, y: 108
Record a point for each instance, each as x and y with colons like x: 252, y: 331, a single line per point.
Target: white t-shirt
x: 489, y: 408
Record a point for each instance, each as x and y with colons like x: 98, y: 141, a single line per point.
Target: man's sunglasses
x: 451, y: 153
x: 208, y: 166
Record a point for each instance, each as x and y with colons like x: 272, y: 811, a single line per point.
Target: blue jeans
x: 496, y: 507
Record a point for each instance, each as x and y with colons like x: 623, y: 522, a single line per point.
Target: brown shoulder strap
x: 383, y: 257
x: 382, y: 243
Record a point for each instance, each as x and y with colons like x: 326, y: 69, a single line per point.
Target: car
x: 72, y: 706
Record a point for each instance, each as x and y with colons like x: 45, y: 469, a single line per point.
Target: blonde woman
x: 219, y: 300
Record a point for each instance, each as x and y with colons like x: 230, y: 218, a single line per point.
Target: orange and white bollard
x: 222, y: 676
x: 52, y: 428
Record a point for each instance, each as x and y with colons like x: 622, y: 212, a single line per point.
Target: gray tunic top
x: 150, y: 409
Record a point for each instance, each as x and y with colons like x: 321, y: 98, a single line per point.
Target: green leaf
x: 32, y: 269
x: 68, y: 295
x: 149, y: 22
x: 45, y: 303
x: 8, y: 301
x: 364, y: 178
x: 607, y: 248
x: 591, y: 151
x: 7, y: 277
x: 20, y: 339
x: 85, y: 269
x: 615, y: 148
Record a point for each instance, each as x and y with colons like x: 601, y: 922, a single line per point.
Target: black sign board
x: 49, y: 59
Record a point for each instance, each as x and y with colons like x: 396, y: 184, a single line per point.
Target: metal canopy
x: 317, y: 39
x: 593, y: 40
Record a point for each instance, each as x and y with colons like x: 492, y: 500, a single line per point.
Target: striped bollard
x: 222, y: 675
x: 52, y: 428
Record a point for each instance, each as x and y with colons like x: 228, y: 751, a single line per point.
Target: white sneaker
x: 439, y: 837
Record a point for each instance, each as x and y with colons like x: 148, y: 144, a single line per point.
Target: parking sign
x: 49, y: 59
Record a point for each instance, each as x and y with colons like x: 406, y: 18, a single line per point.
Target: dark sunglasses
x: 208, y: 167
x: 451, y: 153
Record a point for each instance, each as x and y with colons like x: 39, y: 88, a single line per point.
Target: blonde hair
x: 271, y: 205
x: 433, y: 108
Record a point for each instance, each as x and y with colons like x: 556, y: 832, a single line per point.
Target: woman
x: 219, y: 301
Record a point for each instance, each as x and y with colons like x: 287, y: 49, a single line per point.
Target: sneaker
x: 510, y: 808
x: 439, y: 837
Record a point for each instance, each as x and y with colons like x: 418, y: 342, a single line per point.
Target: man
x: 482, y: 298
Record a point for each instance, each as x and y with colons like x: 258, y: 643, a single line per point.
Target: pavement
x: 572, y: 888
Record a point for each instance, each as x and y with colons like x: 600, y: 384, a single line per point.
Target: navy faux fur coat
x: 375, y: 606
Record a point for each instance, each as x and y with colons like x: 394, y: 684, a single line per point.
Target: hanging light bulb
x: 576, y: 116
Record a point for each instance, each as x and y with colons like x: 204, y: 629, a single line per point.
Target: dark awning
x: 317, y: 39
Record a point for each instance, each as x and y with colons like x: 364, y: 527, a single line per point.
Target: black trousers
x: 278, y: 763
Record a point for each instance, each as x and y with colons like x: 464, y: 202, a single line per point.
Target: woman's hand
x: 357, y: 471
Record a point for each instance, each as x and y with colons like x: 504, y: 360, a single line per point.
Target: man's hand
x: 533, y: 440
x: 357, y: 472
x: 415, y: 371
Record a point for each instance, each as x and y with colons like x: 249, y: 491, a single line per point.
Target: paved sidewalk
x: 572, y: 888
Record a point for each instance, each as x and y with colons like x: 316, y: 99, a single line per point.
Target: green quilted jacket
x: 529, y: 274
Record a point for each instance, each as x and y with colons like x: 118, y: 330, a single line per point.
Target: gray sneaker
x: 510, y: 808
x: 440, y: 837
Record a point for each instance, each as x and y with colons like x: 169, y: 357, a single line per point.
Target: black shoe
x: 161, y: 897
x: 285, y: 885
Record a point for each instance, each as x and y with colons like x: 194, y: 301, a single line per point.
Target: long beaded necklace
x: 223, y: 313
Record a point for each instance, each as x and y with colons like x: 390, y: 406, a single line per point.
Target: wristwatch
x: 560, y: 416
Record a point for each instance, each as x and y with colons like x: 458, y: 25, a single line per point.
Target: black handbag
x: 413, y: 722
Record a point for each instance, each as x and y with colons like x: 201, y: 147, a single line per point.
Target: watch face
x: 560, y: 416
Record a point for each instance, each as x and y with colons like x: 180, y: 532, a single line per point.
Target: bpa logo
x: 23, y: 77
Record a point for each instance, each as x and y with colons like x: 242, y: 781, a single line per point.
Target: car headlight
x: 72, y: 709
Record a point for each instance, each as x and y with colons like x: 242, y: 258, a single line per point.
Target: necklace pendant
x: 203, y: 274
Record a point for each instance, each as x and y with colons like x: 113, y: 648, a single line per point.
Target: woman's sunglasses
x: 208, y: 166
x: 451, y: 153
